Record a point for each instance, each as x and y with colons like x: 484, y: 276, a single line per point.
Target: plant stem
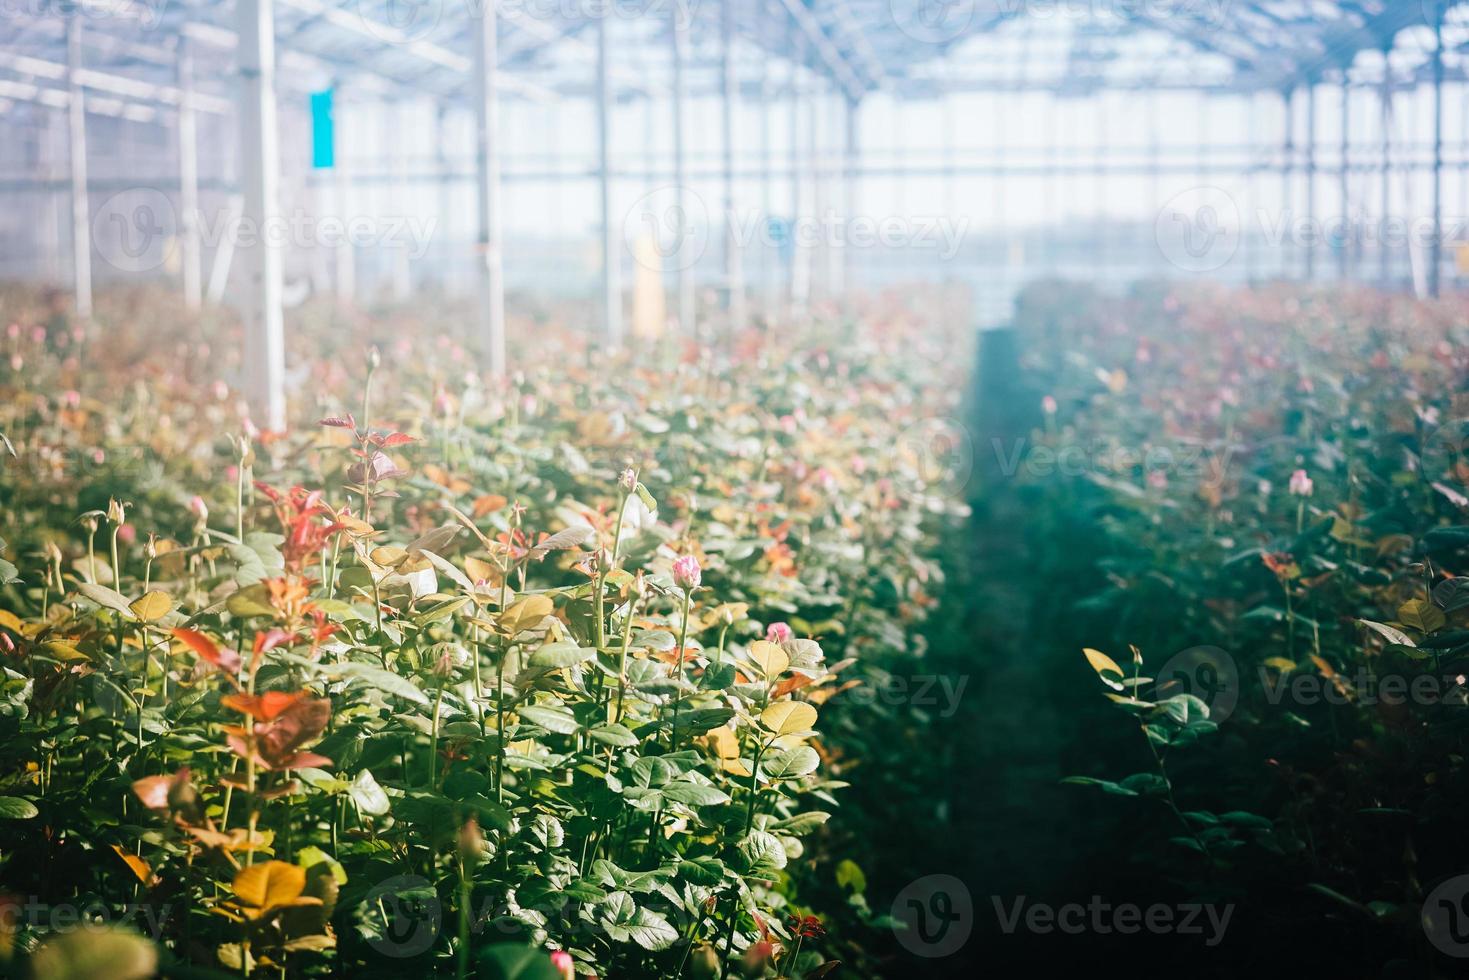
x: 683, y: 635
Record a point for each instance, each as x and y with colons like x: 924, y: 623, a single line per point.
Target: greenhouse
x: 555, y: 489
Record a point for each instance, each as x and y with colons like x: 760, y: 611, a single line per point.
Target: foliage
x: 546, y: 664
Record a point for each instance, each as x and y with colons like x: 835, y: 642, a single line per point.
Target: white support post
x: 768, y: 261
x: 1384, y: 253
x: 1344, y: 257
x: 687, y: 307
x: 491, y: 264
x: 1435, y: 248
x: 189, y: 252
x: 403, y: 194
x: 1310, y: 208
x: 611, y: 251
x: 81, y: 224
x: 800, y: 274
x: 836, y: 173
x: 734, y: 272
x: 851, y: 160
x: 344, y: 272
x: 265, y: 364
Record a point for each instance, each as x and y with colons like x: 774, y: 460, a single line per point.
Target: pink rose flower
x: 1300, y: 484
x: 686, y: 572
x: 562, y: 961
x: 778, y: 632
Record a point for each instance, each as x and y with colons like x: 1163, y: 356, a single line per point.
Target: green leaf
x: 384, y: 680
x: 510, y: 961
x: 367, y: 795
x: 551, y: 718
x: 761, y: 854
x: 707, y: 871
x: 695, y: 794
x: 15, y: 808
x: 107, y: 598
x: 561, y: 654
x: 791, y: 764
x: 614, y: 734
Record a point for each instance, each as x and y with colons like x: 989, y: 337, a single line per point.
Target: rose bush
x: 455, y: 675
x: 1257, y: 501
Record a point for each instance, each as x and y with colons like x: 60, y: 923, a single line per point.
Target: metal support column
x: 851, y: 160
x: 188, y: 223
x: 1348, y: 232
x: 1310, y: 209
x: 265, y: 364
x: 734, y: 272
x: 344, y: 275
x: 1384, y: 253
x: 800, y: 272
x: 490, y: 260
x: 76, y: 117
x: 687, y: 306
x: 1435, y: 248
x: 611, y: 253
x: 1288, y: 153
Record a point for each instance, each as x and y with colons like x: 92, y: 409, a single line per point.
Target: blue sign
x: 323, y: 142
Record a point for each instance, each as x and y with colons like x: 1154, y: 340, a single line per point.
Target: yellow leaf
x: 62, y: 650
x: 388, y: 555
x: 153, y: 606
x: 481, y: 571
x: 788, y: 717
x: 1104, y: 665
x: 136, y: 864
x: 770, y: 658
x: 525, y: 613
x: 272, y: 883
x: 10, y: 620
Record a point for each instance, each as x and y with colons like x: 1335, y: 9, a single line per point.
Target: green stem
x: 683, y: 635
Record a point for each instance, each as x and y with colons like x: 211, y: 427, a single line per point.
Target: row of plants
x: 555, y: 675
x: 1260, y: 503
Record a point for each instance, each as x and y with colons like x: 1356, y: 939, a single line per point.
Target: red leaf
x: 226, y: 660
x: 396, y: 439
x: 339, y: 421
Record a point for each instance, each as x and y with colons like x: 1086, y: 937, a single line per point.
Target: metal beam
x: 734, y: 271
x: 1435, y: 248
x: 828, y: 51
x: 1384, y: 256
x: 1310, y: 209
x: 611, y: 253
x: 189, y: 253
x: 81, y: 225
x: 265, y: 365
x: 687, y: 309
x: 490, y: 245
x: 1344, y: 259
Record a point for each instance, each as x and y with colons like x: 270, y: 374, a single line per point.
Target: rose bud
x: 778, y: 632
x: 686, y: 572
